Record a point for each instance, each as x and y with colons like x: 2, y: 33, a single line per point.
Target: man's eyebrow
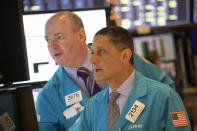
x: 58, y: 34
x: 96, y: 48
x: 99, y: 47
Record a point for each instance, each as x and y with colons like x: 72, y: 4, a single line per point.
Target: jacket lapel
x: 67, y: 84
x: 66, y: 81
x: 139, y: 90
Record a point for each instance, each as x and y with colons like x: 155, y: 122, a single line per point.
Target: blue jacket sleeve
x: 173, y: 104
x: 46, y: 114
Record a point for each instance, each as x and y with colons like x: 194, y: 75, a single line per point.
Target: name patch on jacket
x: 73, y: 98
x: 73, y: 110
x: 135, y: 111
x: 135, y: 126
x: 178, y: 119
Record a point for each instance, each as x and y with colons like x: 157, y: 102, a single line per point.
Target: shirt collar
x: 126, y: 87
x: 86, y: 62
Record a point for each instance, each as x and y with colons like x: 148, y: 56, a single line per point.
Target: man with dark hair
x: 132, y: 101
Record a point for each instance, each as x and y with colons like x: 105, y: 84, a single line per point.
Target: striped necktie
x: 113, y: 111
x: 90, y: 83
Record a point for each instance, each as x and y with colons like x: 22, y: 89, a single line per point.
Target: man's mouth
x: 97, y: 70
x: 58, y: 54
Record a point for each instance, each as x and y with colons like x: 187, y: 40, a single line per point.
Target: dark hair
x: 120, y: 37
x: 152, y: 56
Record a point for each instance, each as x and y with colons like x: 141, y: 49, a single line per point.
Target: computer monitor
x: 41, y: 65
x: 41, y: 5
x: 35, y: 92
x: 13, y: 58
x: 17, y: 112
x: 163, y: 44
x: 153, y: 13
x: 195, y: 11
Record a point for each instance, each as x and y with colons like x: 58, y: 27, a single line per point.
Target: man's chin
x: 100, y: 79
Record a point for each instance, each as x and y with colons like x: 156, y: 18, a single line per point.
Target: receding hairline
x: 74, y: 19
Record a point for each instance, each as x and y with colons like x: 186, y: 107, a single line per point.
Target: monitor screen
x: 7, y: 111
x: 17, y: 112
x: 195, y: 11
x: 13, y: 58
x: 35, y: 92
x: 41, y: 5
x: 163, y: 44
x: 41, y: 65
x: 153, y: 13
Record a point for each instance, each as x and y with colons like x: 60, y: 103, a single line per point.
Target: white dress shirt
x: 124, y: 91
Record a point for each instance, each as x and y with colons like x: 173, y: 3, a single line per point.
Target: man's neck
x: 116, y: 83
x: 81, y: 57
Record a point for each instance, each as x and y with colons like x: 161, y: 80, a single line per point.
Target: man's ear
x: 82, y: 35
x: 126, y: 55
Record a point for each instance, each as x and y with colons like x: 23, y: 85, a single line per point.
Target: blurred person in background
x: 154, y: 57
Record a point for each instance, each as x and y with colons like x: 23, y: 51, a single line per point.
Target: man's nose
x: 93, y: 59
x: 52, y: 43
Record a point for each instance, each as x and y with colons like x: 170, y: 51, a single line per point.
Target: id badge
x: 135, y: 111
x: 73, y: 110
x: 73, y: 98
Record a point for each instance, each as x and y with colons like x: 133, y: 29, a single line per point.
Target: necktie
x: 113, y: 112
x: 90, y: 83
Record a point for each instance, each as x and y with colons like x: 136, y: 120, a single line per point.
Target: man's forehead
x: 101, y: 44
x: 57, y: 19
x: 100, y: 38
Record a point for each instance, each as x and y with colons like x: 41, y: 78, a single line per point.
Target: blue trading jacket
x: 160, y: 102
x: 51, y: 102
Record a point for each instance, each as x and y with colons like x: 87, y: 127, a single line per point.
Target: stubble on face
x: 106, y: 59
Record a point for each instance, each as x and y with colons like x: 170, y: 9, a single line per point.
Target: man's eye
x: 100, y: 51
x: 60, y: 37
x: 47, y: 40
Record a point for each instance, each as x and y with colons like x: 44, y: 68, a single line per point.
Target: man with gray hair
x: 65, y: 94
